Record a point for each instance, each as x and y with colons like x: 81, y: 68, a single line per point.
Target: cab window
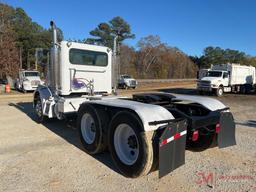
x: 85, y: 57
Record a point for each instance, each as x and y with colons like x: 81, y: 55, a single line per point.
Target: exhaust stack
x: 54, y: 33
x: 53, y: 68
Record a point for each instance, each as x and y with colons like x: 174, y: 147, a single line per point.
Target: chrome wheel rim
x: 126, y: 144
x: 88, y: 128
x: 39, y: 108
x: 220, y: 91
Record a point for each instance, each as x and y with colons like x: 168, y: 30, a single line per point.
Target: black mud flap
x: 172, y: 144
x: 226, y: 136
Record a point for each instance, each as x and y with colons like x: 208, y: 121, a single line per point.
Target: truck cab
x: 81, y: 68
x: 213, y: 80
x: 126, y: 81
x: 28, y: 80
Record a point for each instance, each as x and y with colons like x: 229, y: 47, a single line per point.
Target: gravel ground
x: 35, y: 157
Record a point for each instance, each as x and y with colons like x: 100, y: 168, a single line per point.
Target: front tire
x: 90, y: 129
x: 23, y: 90
x: 130, y: 146
x: 40, y: 117
x: 219, y: 91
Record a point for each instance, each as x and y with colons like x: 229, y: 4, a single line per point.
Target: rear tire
x: 90, y: 129
x: 130, y: 146
x: 242, y: 89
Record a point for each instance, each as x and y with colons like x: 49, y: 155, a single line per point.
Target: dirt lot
x: 48, y: 157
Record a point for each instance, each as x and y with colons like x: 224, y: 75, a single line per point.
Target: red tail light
x: 195, y: 136
x: 217, y: 128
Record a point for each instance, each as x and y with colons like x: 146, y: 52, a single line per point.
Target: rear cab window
x: 88, y: 58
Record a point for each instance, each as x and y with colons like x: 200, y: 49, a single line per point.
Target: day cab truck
x: 143, y: 133
x: 227, y: 78
x: 126, y: 81
x: 28, y: 80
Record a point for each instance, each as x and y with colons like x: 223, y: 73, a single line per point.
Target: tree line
x: 19, y: 38
x: 149, y: 58
x: 217, y: 55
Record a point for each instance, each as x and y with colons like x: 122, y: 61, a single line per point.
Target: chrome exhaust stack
x: 53, y: 68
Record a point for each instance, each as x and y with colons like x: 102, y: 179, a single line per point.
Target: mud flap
x: 172, y: 142
x: 226, y: 136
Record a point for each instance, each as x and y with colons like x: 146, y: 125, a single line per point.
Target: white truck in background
x: 126, y: 81
x: 222, y: 78
x: 28, y: 80
x: 143, y: 133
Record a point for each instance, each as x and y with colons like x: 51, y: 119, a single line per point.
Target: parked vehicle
x: 126, y: 81
x: 28, y: 80
x: 3, y: 81
x: 147, y: 132
x: 228, y: 78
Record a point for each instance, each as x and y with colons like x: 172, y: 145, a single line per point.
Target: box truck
x: 228, y: 78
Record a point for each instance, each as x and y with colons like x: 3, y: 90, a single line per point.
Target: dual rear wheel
x: 130, y: 147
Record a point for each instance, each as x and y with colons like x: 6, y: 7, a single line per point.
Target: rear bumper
x: 170, y: 141
x: 225, y: 136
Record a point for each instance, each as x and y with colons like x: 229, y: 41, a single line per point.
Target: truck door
x: 225, y: 79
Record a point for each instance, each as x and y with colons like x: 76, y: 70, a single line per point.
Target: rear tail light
x: 194, y: 135
x: 217, y: 128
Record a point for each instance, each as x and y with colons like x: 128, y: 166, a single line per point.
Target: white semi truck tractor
x: 228, y: 78
x: 147, y: 132
x: 28, y: 80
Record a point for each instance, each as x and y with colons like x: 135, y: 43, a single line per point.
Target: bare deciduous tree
x: 9, y: 54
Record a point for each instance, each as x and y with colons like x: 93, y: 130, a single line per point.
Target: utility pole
x: 115, y: 65
x: 36, y: 57
x: 20, y: 57
x: 28, y: 62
